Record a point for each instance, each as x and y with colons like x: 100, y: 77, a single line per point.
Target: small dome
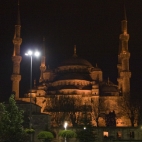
x: 109, y: 88
x: 96, y: 69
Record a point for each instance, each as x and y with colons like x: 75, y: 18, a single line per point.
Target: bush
x: 29, y: 131
x: 86, y: 135
x: 67, y: 134
x: 45, y: 135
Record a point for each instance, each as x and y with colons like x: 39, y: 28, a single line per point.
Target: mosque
x: 75, y: 91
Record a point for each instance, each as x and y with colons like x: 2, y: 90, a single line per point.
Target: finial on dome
x: 74, y: 49
x: 108, y: 80
x: 74, y: 55
x: 96, y: 65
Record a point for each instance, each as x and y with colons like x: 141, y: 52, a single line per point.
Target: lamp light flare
x: 65, y: 125
x: 36, y: 53
x: 84, y: 128
x: 31, y: 53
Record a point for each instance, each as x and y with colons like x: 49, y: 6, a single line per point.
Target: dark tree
x: 111, y: 119
x: 130, y: 108
x: 86, y: 134
x: 64, y: 108
x: 11, y: 129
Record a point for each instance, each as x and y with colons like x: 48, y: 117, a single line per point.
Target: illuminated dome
x: 76, y: 61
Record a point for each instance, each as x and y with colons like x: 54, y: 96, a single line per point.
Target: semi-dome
x: 66, y: 76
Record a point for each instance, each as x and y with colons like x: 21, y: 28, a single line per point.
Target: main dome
x: 74, y: 60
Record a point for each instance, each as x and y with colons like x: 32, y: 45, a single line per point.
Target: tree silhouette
x: 111, y: 119
x: 130, y: 108
x: 11, y: 123
x: 64, y: 108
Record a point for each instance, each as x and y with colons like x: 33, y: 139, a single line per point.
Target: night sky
x: 93, y: 26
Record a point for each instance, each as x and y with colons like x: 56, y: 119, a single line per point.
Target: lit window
x: 105, y: 134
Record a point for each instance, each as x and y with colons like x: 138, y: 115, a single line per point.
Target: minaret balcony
x: 124, y: 55
x: 125, y: 74
x: 15, y: 77
x: 124, y: 37
x: 16, y: 59
x: 17, y: 41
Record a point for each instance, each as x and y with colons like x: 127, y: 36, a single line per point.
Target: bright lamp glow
x: 36, y: 53
x: 65, y: 125
x: 31, y: 53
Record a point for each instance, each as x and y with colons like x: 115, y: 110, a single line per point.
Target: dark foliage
x: 11, y: 118
x: 86, y: 134
x: 111, y: 119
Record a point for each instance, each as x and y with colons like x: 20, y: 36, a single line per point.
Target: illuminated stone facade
x: 75, y: 91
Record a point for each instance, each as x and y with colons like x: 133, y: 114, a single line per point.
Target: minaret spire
x: 123, y: 59
x: 18, y: 15
x: 42, y: 66
x: 16, y: 58
x: 125, y: 16
x: 124, y: 22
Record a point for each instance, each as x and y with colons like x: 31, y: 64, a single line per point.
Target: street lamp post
x: 31, y: 54
x: 65, y: 126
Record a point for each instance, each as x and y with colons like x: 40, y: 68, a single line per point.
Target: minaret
x: 124, y: 73
x: 16, y: 58
x: 42, y: 66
